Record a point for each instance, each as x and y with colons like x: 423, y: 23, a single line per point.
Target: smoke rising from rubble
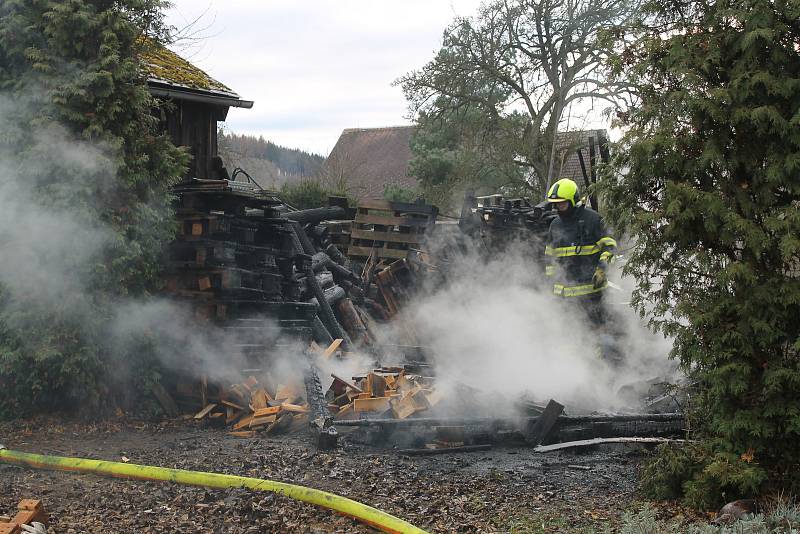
x: 51, y: 252
x: 495, y: 327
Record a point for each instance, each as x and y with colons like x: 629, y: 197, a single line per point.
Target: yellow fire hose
x: 366, y: 514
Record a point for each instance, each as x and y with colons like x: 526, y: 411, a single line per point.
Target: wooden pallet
x: 28, y: 511
x: 387, y: 230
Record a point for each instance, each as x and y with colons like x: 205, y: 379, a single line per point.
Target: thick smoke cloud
x: 494, y: 326
x: 53, y: 248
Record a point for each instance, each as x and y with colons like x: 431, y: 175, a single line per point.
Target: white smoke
x: 52, y: 252
x: 496, y: 327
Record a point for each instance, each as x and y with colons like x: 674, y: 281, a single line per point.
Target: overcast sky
x: 314, y: 67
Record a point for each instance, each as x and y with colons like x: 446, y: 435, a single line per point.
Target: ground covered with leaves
x: 506, y: 489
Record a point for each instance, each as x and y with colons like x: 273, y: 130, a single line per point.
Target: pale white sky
x: 314, y: 67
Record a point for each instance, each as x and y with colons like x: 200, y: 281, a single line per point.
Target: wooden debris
x: 232, y: 405
x: 205, y: 411
x: 28, y: 512
x: 332, y: 348
x: 347, y: 384
x: 244, y: 422
x: 375, y: 404
x: 259, y: 399
x: 295, y: 408
x: 539, y: 431
x: 257, y: 422
x: 165, y: 399
x: 264, y: 412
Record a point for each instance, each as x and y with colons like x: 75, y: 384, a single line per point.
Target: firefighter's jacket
x: 577, y: 244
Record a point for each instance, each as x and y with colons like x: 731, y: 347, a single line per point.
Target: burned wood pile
x: 248, y: 265
x: 234, y: 261
x: 256, y: 405
x: 383, y: 391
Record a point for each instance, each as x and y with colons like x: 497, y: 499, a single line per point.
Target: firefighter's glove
x: 599, y: 278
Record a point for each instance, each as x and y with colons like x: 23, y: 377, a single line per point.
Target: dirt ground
x: 506, y: 489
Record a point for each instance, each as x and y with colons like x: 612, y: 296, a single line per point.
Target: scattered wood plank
x: 345, y: 410
x: 347, y: 384
x: 243, y: 422
x: 403, y: 407
x: 231, y: 415
x: 282, y: 423
x: 205, y: 411
x: 232, y: 405
x: 259, y: 399
x: 332, y: 348
x: 258, y: 422
x: 538, y: 432
x: 294, y: 408
x: 165, y: 399
x: 376, y: 385
x: 375, y: 404
x: 264, y: 412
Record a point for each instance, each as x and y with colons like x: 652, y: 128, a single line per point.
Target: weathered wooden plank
x: 380, y: 251
x: 537, y: 432
x: 205, y: 411
x: 380, y: 204
x: 386, y: 220
x: 378, y: 404
x: 165, y: 399
x: 348, y: 384
x: 392, y: 237
x: 294, y: 408
x: 262, y: 412
x: 331, y: 349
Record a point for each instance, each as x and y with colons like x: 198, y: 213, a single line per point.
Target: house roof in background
x: 169, y: 75
x: 569, y: 143
x: 372, y: 158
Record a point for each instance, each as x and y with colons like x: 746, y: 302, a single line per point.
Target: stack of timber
x: 383, y: 392
x: 233, y: 258
x: 388, y: 230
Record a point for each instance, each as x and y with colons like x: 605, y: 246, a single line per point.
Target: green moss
x: 165, y: 64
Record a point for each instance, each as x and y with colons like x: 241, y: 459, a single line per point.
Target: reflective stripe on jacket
x: 576, y: 245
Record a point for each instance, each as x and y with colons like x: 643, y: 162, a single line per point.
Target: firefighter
x: 578, y: 251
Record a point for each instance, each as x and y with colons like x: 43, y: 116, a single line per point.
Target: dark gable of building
x: 197, y: 101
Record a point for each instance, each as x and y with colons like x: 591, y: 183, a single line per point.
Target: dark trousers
x: 592, y: 306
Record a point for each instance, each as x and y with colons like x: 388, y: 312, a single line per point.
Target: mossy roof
x: 167, y: 67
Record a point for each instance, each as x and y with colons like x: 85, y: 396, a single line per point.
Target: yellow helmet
x: 564, y: 189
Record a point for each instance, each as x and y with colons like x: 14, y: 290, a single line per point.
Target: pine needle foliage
x: 79, y: 150
x: 708, y: 184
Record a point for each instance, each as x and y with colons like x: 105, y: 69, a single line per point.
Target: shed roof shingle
x: 166, y: 69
